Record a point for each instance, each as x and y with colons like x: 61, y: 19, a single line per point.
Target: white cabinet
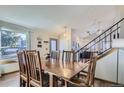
x: 121, y: 67
x: 106, y: 67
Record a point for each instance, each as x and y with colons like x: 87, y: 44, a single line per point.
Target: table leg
x: 66, y: 84
x: 51, y: 80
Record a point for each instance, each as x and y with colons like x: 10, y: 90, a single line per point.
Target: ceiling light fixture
x: 65, y: 33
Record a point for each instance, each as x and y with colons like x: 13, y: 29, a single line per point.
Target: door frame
x: 56, y: 43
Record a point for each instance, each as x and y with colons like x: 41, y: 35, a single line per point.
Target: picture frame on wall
x: 39, y: 42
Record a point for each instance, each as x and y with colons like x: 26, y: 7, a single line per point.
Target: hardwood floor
x: 12, y: 80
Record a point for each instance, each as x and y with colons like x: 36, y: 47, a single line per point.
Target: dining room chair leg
x: 21, y: 83
x: 51, y: 80
x: 78, y: 75
x: 63, y: 82
x: 55, y: 81
x: 27, y: 84
x: 66, y: 84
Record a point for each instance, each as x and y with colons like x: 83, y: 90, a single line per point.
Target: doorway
x: 53, y: 44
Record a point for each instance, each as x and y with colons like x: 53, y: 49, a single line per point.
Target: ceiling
x: 53, y: 18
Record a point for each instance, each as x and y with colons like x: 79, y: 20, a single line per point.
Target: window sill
x: 8, y: 61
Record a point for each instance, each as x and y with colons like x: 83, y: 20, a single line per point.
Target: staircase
x: 102, y: 43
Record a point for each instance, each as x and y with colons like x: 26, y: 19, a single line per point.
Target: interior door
x: 53, y: 45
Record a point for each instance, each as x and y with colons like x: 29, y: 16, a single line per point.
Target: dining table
x: 66, y: 70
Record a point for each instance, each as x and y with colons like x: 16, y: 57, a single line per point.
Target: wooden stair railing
x: 102, y: 43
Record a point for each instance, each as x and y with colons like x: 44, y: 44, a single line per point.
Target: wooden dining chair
x: 28, y: 51
x: 36, y: 74
x: 89, y: 79
x: 23, y: 69
x: 68, y: 56
x: 55, y: 56
x: 87, y: 57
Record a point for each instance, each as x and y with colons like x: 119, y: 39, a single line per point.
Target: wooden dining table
x: 66, y: 70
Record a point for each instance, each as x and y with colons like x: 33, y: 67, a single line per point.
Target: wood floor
x: 12, y: 80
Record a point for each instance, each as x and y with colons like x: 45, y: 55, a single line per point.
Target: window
x: 10, y: 42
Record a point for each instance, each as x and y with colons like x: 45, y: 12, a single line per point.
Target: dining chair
x: 88, y: 81
x: 55, y: 56
x: 86, y: 57
x: 68, y: 56
x: 23, y: 69
x: 28, y: 51
x: 36, y: 74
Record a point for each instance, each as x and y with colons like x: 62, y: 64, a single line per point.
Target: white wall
x: 6, y: 66
x: 65, y: 41
x: 121, y: 11
x: 45, y: 37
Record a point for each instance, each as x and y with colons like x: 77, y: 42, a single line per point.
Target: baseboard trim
x: 102, y: 79
x: 108, y: 81
x: 105, y: 80
x: 9, y: 73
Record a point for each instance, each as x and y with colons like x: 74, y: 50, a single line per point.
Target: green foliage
x: 9, y: 39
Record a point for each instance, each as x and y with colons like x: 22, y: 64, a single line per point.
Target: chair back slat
x: 68, y: 56
x: 32, y: 66
x: 55, y: 55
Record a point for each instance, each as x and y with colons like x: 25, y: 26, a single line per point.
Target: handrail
x: 100, y: 34
x: 105, y: 36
